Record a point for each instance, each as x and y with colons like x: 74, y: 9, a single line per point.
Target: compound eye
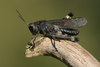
x: 31, y: 29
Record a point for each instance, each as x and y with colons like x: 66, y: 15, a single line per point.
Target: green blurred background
x: 14, y: 34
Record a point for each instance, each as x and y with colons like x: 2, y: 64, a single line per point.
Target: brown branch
x: 70, y: 53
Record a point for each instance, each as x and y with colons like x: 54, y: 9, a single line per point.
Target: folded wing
x: 69, y: 23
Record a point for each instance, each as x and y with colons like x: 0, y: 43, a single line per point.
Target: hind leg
x: 63, y: 37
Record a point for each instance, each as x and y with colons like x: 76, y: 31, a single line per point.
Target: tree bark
x: 70, y: 53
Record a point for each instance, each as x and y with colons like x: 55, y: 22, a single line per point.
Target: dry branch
x: 70, y: 53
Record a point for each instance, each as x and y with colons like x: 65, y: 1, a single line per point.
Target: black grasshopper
x: 52, y: 28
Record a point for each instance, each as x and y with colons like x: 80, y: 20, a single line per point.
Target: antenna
x: 22, y: 17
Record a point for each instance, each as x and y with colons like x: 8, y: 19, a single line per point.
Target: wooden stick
x: 70, y: 53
